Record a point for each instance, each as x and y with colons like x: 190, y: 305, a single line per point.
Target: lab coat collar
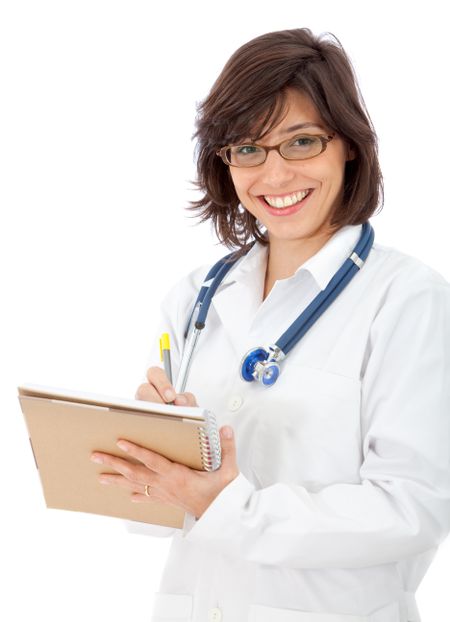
x: 254, y: 261
x: 242, y: 289
x: 322, y: 266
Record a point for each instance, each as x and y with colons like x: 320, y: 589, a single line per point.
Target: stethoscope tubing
x: 319, y: 305
x: 212, y: 281
x: 296, y: 330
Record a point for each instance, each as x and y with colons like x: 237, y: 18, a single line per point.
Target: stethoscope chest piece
x: 258, y: 364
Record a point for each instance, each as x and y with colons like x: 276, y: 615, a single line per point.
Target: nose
x: 276, y: 170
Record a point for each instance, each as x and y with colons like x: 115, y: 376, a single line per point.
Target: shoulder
x: 402, y: 288
x: 186, y: 288
x: 182, y: 294
x: 398, y: 271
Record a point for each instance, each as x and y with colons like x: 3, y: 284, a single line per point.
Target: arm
x: 402, y: 505
x: 176, y: 484
x: 167, y: 323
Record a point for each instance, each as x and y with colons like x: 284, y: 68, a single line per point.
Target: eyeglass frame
x: 324, y: 139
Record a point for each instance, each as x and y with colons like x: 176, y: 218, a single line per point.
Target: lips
x: 301, y: 197
x: 286, y: 200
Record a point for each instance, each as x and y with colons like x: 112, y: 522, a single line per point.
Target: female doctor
x: 334, y: 489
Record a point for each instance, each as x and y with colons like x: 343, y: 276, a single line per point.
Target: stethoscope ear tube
x: 199, y: 312
x: 186, y: 360
x: 325, y: 298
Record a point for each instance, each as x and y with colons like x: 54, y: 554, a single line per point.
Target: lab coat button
x: 235, y: 403
x: 214, y: 615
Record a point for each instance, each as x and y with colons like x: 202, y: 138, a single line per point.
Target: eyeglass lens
x: 298, y: 148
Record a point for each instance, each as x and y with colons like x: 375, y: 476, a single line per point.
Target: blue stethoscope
x: 263, y: 364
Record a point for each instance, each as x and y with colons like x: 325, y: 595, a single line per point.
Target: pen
x: 164, y: 347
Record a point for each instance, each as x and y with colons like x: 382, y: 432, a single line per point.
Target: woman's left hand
x: 155, y: 478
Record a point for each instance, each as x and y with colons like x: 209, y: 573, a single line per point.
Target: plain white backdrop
x: 97, y: 108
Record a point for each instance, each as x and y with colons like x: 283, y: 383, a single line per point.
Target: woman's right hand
x: 159, y: 389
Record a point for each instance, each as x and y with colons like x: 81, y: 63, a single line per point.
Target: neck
x: 286, y: 256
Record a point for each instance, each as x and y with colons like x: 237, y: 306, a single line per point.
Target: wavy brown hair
x: 248, y: 100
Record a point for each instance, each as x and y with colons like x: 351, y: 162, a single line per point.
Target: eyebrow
x: 301, y: 126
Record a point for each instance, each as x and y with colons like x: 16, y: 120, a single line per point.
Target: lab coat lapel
x: 239, y: 296
x: 235, y: 308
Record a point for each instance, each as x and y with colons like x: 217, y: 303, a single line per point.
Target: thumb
x: 228, y: 446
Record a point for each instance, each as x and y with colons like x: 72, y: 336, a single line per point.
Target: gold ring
x: 147, y: 490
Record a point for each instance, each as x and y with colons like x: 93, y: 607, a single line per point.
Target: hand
x: 158, y: 389
x: 169, y: 482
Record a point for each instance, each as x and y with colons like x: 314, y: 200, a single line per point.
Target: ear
x: 351, y: 153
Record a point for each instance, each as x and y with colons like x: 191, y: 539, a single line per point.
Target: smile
x: 287, y: 200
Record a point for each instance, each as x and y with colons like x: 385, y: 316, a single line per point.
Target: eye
x: 246, y: 149
x: 304, y: 141
x: 302, y: 147
x: 246, y: 155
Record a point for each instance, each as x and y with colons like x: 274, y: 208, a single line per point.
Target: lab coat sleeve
x: 401, y: 507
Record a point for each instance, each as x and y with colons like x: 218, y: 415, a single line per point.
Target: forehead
x: 293, y: 108
x: 300, y: 105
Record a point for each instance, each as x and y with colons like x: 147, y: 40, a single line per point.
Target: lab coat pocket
x: 308, y: 429
x: 259, y: 613
x: 172, y: 608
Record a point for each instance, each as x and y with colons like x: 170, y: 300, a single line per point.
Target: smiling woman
x: 274, y: 86
x: 334, y: 489
x: 295, y: 199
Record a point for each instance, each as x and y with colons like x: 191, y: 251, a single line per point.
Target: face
x: 310, y: 189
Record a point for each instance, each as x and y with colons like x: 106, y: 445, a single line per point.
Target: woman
x: 334, y: 489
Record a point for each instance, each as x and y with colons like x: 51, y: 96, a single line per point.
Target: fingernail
x: 97, y: 459
x: 181, y: 399
x: 122, y: 445
x: 169, y: 394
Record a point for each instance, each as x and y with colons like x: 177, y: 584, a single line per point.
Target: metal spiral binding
x: 210, y: 443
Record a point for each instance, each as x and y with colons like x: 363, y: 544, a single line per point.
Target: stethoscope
x: 263, y: 363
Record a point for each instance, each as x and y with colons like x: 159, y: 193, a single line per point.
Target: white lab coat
x: 344, y: 489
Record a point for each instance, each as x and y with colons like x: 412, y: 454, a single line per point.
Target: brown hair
x: 248, y: 100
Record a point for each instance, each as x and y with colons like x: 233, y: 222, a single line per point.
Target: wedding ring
x: 147, y: 490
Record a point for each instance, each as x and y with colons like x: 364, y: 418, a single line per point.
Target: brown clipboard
x: 66, y: 426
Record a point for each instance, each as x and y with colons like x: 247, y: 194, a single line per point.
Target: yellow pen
x: 164, y: 347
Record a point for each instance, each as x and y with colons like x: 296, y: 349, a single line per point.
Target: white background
x: 96, y: 98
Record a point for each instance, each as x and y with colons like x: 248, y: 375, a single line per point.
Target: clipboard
x: 66, y: 426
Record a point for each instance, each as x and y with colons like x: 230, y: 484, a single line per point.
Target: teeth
x: 288, y: 200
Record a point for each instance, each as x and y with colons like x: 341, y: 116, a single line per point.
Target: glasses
x: 302, y: 147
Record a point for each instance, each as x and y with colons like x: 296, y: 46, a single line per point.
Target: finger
x: 131, y: 471
x: 152, y: 460
x: 154, y: 494
x: 111, y: 479
x: 140, y: 492
x: 139, y: 498
x: 148, y: 393
x: 158, y: 379
x: 228, y: 449
x: 186, y: 399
